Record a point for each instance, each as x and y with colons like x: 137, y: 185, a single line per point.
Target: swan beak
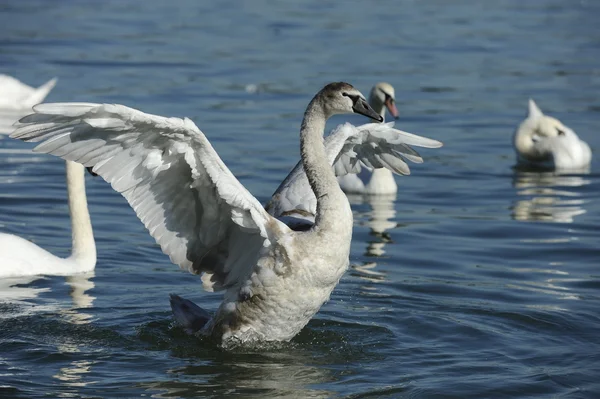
x: 391, y: 106
x: 362, y: 107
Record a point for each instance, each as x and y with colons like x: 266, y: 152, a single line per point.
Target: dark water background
x: 476, y: 281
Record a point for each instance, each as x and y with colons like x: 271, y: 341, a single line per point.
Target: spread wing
x: 348, y: 148
x: 202, y: 217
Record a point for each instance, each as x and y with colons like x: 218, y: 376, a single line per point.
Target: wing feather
x: 348, y: 148
x: 190, y: 202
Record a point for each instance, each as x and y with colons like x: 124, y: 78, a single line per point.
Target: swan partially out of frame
x: 15, y: 94
x: 543, y: 141
x: 17, y: 98
x: 20, y: 257
x: 273, y: 277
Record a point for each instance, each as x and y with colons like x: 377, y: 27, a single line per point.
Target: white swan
x: 275, y: 279
x: 377, y: 145
x: 543, y: 141
x: 377, y: 181
x: 16, y: 100
x: 20, y: 257
x: 17, y: 95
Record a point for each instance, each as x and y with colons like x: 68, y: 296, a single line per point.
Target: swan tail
x: 38, y: 95
x: 189, y: 315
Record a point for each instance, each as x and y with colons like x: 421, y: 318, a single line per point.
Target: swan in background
x: 545, y: 142
x: 377, y: 181
x: 20, y: 257
x: 346, y: 147
x: 274, y: 278
x: 16, y: 100
x: 17, y: 95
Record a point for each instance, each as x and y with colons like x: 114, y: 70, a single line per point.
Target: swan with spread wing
x: 273, y: 277
x: 374, y: 180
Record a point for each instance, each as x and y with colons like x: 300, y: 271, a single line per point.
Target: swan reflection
x: 20, y: 292
x: 284, y: 372
x: 548, y: 196
x: 17, y: 290
x: 71, y: 376
x: 380, y: 218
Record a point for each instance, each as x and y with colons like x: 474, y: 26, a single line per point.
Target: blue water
x: 475, y: 281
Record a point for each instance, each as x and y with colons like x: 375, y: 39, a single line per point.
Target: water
x: 476, y: 281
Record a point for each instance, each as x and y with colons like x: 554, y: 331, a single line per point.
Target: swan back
x: 544, y: 141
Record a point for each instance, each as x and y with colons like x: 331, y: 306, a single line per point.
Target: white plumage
x: 274, y: 279
x: 543, y: 141
x: 17, y: 95
x: 348, y: 149
x: 372, y: 179
x: 20, y: 257
x: 17, y: 98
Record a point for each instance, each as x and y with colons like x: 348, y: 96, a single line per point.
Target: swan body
x: 274, y: 278
x: 543, y: 141
x: 20, y: 257
x: 375, y: 181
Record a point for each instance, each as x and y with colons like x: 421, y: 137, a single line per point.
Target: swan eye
x: 560, y: 132
x: 352, y: 97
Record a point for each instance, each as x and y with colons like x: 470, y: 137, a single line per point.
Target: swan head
x: 383, y: 96
x: 343, y: 98
x: 541, y: 125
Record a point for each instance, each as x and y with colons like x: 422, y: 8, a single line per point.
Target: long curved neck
x: 377, y: 106
x: 331, y: 201
x: 84, y: 246
x: 523, y: 138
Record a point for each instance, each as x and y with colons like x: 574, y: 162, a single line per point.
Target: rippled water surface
x: 475, y: 281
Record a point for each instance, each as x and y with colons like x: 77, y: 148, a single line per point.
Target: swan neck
x: 331, y: 201
x: 377, y: 106
x: 523, y: 137
x: 84, y: 246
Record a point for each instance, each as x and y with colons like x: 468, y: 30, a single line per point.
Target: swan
x: 20, y: 257
x: 273, y: 277
x: 545, y: 142
x: 17, y: 98
x: 17, y: 95
x: 378, y: 181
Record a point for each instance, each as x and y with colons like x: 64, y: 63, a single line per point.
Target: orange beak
x: 391, y: 106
